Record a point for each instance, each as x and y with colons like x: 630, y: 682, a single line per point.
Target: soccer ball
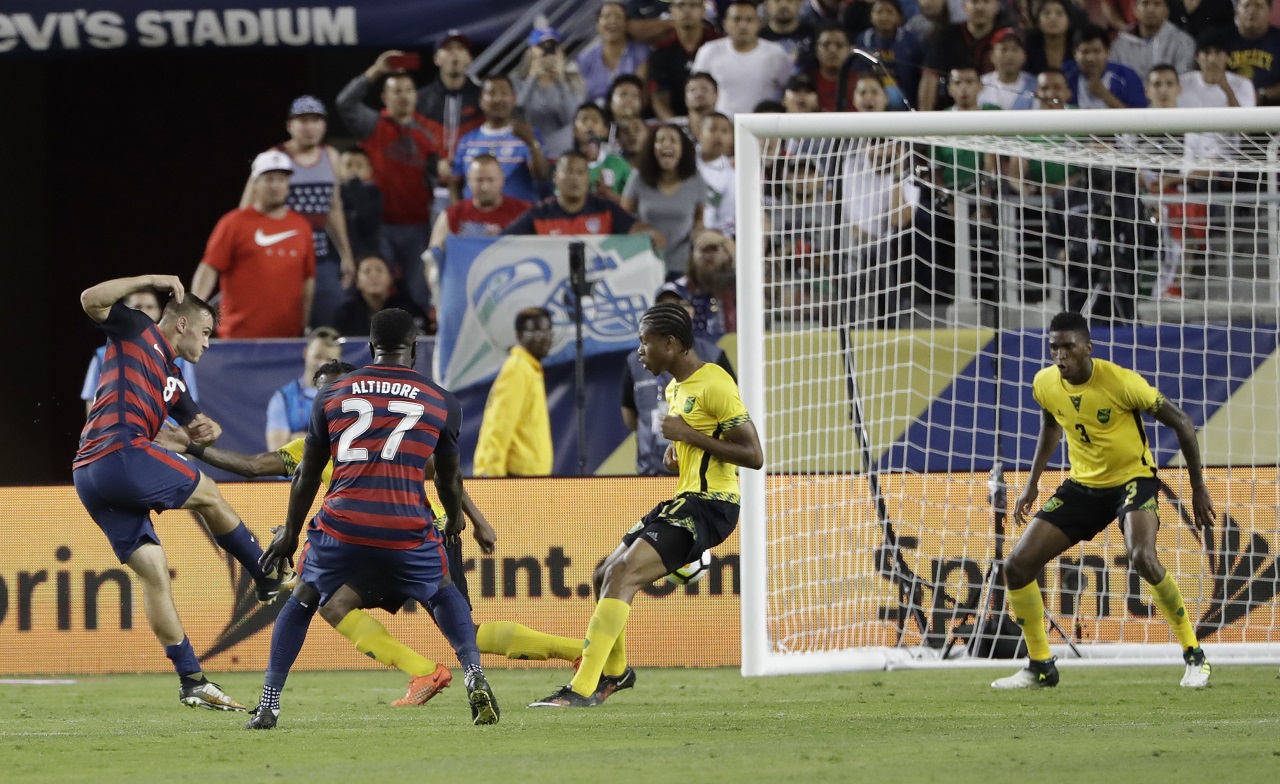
x: 692, y: 572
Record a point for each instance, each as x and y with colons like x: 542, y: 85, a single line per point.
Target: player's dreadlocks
x: 671, y: 320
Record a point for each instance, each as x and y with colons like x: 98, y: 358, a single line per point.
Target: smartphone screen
x: 404, y: 62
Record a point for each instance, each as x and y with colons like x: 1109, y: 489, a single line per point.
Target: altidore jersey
x: 1106, y: 439
x: 381, y: 424
x: 140, y: 385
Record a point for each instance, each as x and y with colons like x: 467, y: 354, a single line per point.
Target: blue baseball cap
x: 307, y: 104
x: 542, y: 35
x: 675, y: 288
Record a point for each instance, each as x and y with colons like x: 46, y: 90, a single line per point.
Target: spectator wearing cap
x: 964, y: 44
x: 514, y: 142
x: 405, y: 149
x: 262, y: 259
x: 612, y: 53
x: 899, y: 50
x: 549, y: 90
x: 1154, y: 40
x: 783, y: 25
x: 453, y: 100
x: 643, y: 394
x: 1008, y: 86
x: 747, y: 69
x: 672, y: 58
x: 1097, y: 82
x: 1255, y: 49
x: 315, y: 194
x: 668, y: 193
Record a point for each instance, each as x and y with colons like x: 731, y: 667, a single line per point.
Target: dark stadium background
x: 113, y: 165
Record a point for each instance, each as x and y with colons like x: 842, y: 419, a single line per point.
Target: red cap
x: 1008, y: 33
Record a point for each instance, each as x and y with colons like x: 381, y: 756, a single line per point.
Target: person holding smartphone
x: 550, y: 90
x: 405, y: 148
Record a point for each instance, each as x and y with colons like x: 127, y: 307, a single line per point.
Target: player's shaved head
x: 1070, y: 322
x: 190, y: 307
x: 670, y: 319
x: 392, y: 329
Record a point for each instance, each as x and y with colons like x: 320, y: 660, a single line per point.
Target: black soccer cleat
x: 610, y: 684
x: 484, y: 706
x: 566, y: 697
x: 282, y: 580
x: 264, y: 718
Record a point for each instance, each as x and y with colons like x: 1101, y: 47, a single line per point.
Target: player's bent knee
x: 1147, y: 564
x: 1017, y: 574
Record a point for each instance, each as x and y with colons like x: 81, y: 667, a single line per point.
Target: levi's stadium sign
x: 54, y: 28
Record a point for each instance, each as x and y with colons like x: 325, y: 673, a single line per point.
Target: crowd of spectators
x: 648, y: 105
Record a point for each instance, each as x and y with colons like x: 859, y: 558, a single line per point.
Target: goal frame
x: 749, y: 131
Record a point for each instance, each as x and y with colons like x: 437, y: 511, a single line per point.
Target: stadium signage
x: 85, y: 29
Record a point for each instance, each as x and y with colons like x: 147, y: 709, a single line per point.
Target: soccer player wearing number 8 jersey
x: 711, y: 435
x: 1099, y: 406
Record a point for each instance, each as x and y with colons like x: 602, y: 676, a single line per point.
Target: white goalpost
x: 896, y: 274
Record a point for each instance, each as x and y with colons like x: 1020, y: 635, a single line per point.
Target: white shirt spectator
x: 1020, y: 94
x: 719, y: 212
x: 745, y: 78
x: 1196, y: 94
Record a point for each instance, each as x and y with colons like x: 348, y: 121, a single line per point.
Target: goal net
x: 896, y: 275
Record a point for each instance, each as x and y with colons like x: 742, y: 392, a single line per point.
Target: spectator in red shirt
x: 485, y: 214
x: 408, y: 155
x: 263, y: 259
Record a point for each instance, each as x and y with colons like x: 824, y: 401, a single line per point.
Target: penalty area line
x: 36, y: 682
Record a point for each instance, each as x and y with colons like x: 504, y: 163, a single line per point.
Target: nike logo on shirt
x: 267, y: 240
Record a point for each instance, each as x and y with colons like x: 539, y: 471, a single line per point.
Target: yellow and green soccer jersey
x: 708, y: 400
x: 1106, y: 439
x: 291, y: 454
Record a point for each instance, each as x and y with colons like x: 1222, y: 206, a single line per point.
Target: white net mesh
x: 907, y: 284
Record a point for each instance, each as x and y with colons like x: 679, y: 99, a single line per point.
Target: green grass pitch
x: 1101, y: 725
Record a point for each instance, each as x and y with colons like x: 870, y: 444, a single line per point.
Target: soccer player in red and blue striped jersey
x: 380, y: 425
x: 120, y: 475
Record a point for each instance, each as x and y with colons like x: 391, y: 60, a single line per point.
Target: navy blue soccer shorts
x: 119, y: 490
x: 388, y: 577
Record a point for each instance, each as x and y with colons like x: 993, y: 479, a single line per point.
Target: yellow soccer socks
x: 372, y: 639
x: 1169, y: 599
x: 1028, y: 610
x: 607, y: 624
x: 516, y: 641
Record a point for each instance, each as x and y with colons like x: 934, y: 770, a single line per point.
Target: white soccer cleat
x: 1036, y: 675
x: 1196, y: 675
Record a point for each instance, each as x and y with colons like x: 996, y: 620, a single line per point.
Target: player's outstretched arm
x: 97, y: 300
x: 739, y: 445
x: 1173, y: 417
x: 249, y: 466
x: 302, y: 493
x: 1050, y: 435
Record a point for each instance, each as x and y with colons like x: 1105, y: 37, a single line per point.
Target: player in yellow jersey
x: 344, y: 610
x: 712, y: 435
x: 1099, y: 405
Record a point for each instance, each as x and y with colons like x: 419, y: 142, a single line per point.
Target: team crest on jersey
x: 1053, y: 504
x: 1075, y: 401
x: 688, y: 404
x: 593, y: 225
x: 1104, y: 415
